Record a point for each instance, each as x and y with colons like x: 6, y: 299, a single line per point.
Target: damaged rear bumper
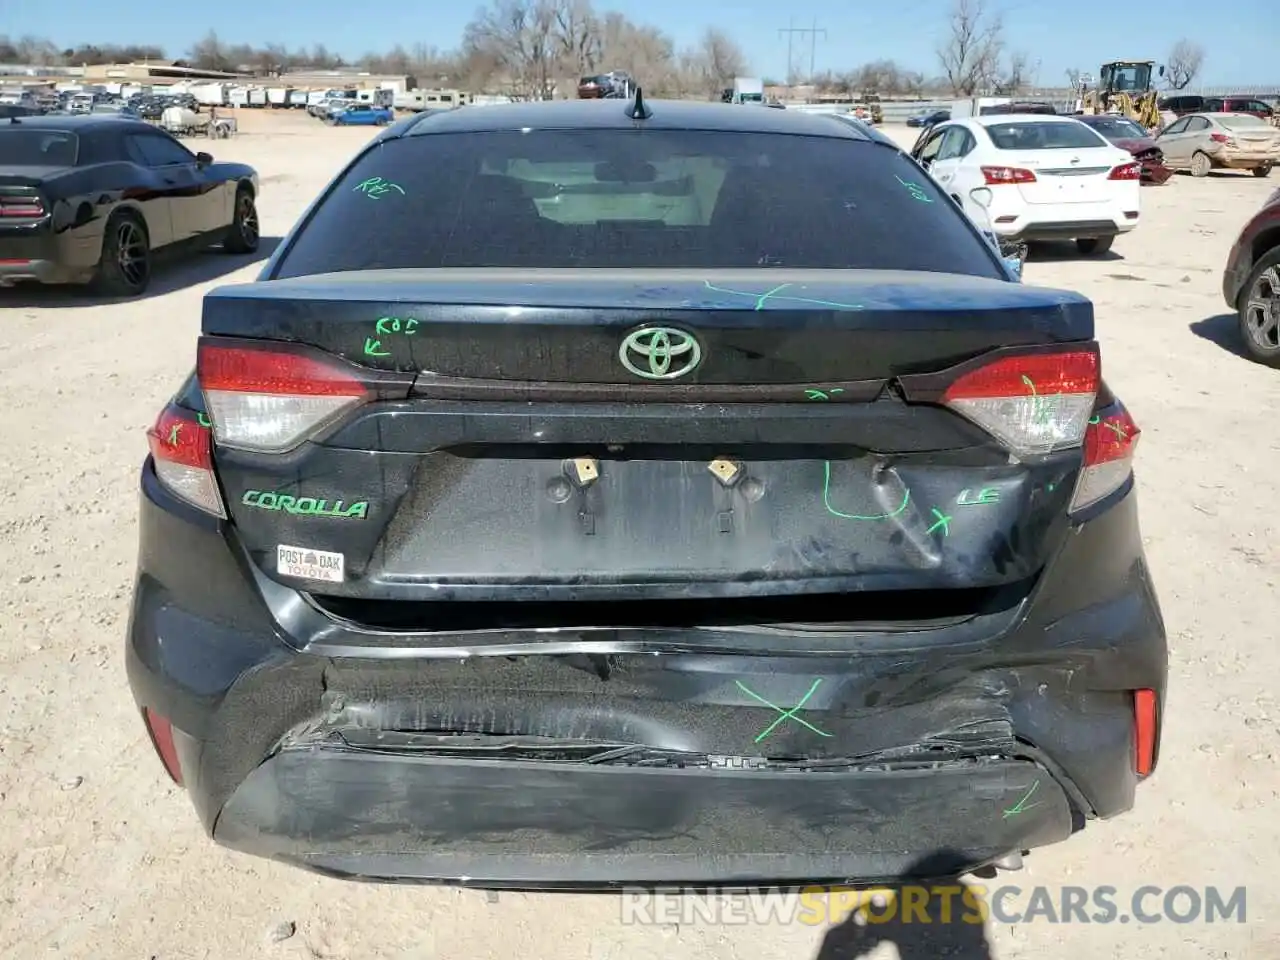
x: 531, y: 825
x: 602, y: 757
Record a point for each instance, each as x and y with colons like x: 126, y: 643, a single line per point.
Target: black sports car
x: 90, y: 199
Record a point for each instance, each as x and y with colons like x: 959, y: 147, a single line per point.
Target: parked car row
x: 1184, y: 104
x: 344, y: 112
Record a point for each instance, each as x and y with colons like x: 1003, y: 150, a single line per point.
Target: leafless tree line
x: 530, y: 49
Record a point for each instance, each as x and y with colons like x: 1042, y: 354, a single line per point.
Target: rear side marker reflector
x: 182, y: 451
x: 1034, y: 404
x: 1109, y: 446
x: 161, y: 731
x: 1144, y: 731
x: 270, y: 401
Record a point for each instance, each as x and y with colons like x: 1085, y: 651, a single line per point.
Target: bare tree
x: 518, y: 37
x: 1184, y: 63
x: 719, y: 59
x: 578, y: 40
x: 970, y: 57
x: 1012, y: 76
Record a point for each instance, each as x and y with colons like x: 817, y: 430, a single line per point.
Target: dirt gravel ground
x: 102, y: 858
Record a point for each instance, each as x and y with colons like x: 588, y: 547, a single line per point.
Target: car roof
x: 77, y: 123
x: 611, y: 114
x: 994, y: 118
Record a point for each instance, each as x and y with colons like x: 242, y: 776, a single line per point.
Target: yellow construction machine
x: 1124, y: 87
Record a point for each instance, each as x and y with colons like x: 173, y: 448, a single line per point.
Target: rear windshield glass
x: 1050, y: 135
x: 37, y: 148
x: 636, y: 198
x: 1117, y: 127
x: 1241, y: 121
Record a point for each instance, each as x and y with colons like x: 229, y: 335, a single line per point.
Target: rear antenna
x: 639, y: 110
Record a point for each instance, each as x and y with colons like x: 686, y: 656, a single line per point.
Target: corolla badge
x: 660, y: 353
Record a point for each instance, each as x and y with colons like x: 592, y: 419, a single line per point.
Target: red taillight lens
x: 21, y: 208
x: 161, y: 731
x: 183, y: 455
x: 1033, y: 404
x: 1219, y: 138
x: 997, y: 175
x: 1145, y: 721
x: 270, y: 401
x: 1127, y: 171
x: 1109, y: 445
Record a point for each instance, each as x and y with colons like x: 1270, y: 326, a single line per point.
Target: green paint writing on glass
x: 917, y: 191
x: 986, y: 495
x: 784, y: 715
x: 826, y: 500
x: 1022, y: 806
x: 305, y: 506
x: 941, y: 522
x: 813, y: 394
x: 776, y: 294
x: 376, y: 187
x: 203, y: 420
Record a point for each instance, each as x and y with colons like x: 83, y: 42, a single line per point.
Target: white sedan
x: 1034, y: 177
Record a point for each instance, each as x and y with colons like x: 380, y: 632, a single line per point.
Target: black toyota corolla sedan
x: 642, y: 493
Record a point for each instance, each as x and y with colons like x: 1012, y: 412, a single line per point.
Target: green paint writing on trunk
x: 305, y: 506
x: 1022, y: 806
x: 814, y: 394
x: 387, y: 325
x: 968, y: 498
x: 776, y: 294
x: 373, y: 348
x: 826, y: 500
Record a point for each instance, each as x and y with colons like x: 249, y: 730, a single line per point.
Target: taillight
x: 1219, y: 138
x: 1034, y: 404
x: 161, y: 731
x: 21, y: 208
x: 183, y: 455
x: 998, y: 175
x: 269, y: 401
x: 1109, y: 445
x: 1127, y: 171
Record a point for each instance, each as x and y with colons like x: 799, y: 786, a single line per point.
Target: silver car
x: 1202, y: 142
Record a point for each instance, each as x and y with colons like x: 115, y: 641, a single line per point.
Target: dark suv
x: 647, y: 493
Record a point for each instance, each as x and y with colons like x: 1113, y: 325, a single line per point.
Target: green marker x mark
x: 784, y: 714
x: 174, y: 432
x: 1022, y: 806
x: 941, y: 520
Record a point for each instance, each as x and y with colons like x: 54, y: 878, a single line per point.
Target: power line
x: 813, y: 33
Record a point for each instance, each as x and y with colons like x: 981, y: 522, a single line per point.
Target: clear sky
x: 1240, y: 46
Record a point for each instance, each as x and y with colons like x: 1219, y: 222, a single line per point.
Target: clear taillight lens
x: 183, y: 457
x: 1109, y: 446
x: 270, y: 401
x: 1033, y: 404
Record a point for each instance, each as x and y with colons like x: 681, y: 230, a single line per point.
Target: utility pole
x: 813, y: 33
